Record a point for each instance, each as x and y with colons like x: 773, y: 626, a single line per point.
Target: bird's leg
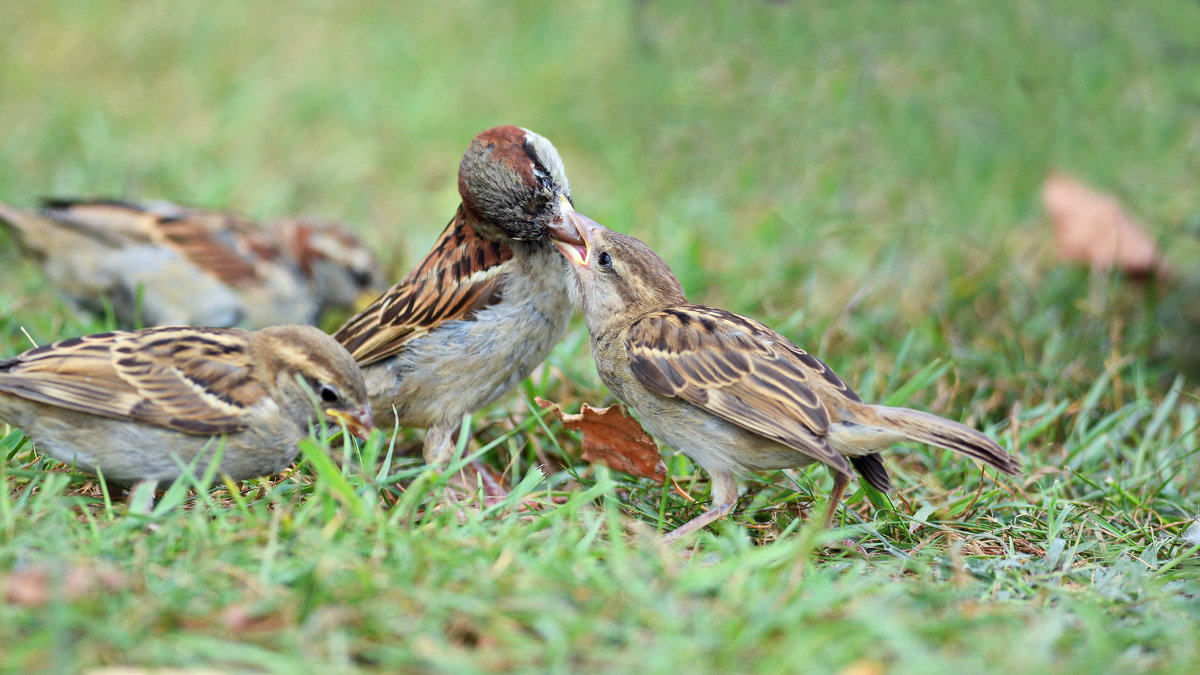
x: 840, y: 481
x: 440, y: 442
x: 724, y: 496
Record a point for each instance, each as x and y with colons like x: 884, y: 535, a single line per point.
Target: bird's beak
x: 358, y: 422
x: 576, y: 250
x: 565, y: 231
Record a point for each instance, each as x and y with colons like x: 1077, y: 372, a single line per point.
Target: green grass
x: 862, y: 176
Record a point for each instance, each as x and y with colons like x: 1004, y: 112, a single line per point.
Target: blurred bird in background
x: 157, y: 263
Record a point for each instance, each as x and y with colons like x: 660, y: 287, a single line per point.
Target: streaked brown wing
x: 111, y: 221
x: 459, y: 277
x: 738, y: 370
x: 222, y: 244
x: 192, y: 380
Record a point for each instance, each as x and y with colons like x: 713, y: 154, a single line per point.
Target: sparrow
x: 726, y: 390
x: 484, y: 307
x: 157, y: 263
x: 140, y: 406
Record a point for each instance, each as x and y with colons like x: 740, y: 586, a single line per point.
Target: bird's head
x: 302, y: 362
x: 513, y: 182
x: 617, y: 274
x: 338, y: 266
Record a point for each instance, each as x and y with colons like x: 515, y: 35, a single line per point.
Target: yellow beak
x: 358, y: 422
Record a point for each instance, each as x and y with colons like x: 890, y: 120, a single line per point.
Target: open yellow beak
x: 576, y: 246
x: 358, y: 422
x: 565, y: 231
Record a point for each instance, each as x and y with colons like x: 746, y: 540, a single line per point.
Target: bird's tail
x: 33, y: 232
x: 18, y: 223
x: 923, y: 427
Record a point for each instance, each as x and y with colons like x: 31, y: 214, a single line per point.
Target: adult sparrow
x: 726, y: 390
x: 169, y: 265
x: 484, y: 307
x: 142, y: 405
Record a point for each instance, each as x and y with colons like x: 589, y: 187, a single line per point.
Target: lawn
x: 863, y: 177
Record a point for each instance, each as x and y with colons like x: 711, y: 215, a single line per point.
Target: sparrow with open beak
x: 140, y: 406
x: 158, y: 263
x: 485, y: 306
x: 727, y: 391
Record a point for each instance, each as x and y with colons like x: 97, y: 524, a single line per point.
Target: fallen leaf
x: 863, y: 667
x: 37, y: 586
x: 1093, y: 228
x: 243, y: 618
x: 152, y: 670
x: 612, y: 438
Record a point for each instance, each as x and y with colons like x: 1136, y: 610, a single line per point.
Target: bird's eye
x: 604, y: 259
x: 330, y: 394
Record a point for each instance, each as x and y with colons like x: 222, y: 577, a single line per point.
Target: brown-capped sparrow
x: 726, y: 390
x: 169, y: 265
x: 140, y: 406
x: 484, y: 307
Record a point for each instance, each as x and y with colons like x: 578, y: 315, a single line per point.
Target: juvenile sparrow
x: 726, y: 390
x: 181, y: 266
x: 141, y: 405
x: 484, y: 307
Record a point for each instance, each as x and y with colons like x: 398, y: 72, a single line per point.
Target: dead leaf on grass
x: 1093, y: 228
x: 37, y: 586
x: 244, y: 618
x: 863, y: 667
x: 612, y: 438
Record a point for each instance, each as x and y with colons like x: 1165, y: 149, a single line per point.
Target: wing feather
x: 198, y: 381
x: 459, y: 277
x: 224, y: 245
x: 740, y: 371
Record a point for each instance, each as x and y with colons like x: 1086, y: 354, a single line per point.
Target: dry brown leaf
x: 37, y: 586
x: 863, y: 667
x: 151, y: 670
x: 244, y: 618
x: 612, y: 438
x: 1093, y: 228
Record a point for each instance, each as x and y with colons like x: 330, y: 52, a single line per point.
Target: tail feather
x: 14, y: 219
x: 943, y: 433
x: 870, y: 467
x: 22, y: 226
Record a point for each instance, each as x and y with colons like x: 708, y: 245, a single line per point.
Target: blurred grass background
x: 863, y: 176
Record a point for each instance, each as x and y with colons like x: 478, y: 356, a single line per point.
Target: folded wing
x: 459, y: 277
x: 740, y: 371
x: 196, y: 381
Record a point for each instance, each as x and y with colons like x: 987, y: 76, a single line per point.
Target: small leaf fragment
x: 1093, y: 228
x: 615, y: 439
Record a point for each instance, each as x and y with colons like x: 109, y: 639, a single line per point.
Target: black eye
x: 604, y: 259
x: 329, y: 394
